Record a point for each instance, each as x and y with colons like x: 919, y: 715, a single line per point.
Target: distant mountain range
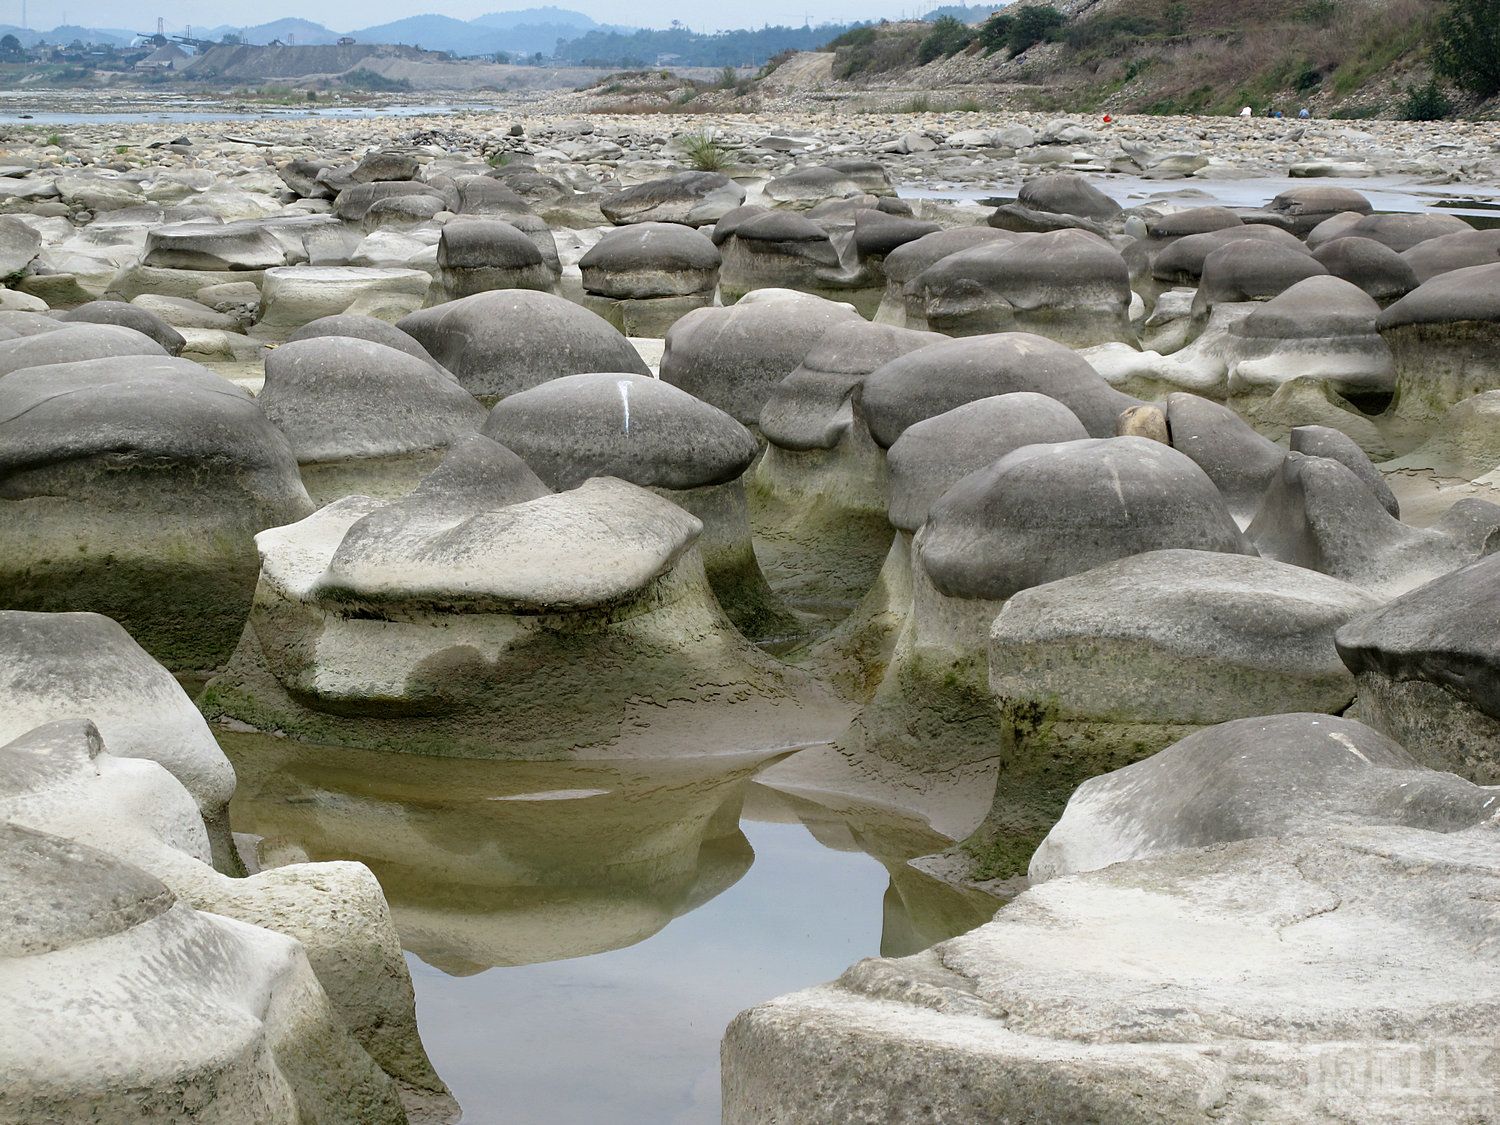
x: 522, y: 32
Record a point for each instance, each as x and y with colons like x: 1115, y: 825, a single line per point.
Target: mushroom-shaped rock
x: 213, y: 246
x: 363, y: 328
x: 1444, y: 338
x: 819, y: 492
x: 507, y: 340
x: 645, y: 277
x: 1426, y: 664
x: 508, y: 626
x: 1067, y: 194
x: 1453, y: 252
x: 933, y: 380
x: 98, y: 955
x: 477, y: 255
x: 1318, y: 328
x: 291, y: 296
x: 1319, y: 514
x: 1280, y: 775
x: 76, y: 343
x: 911, y: 258
x: 878, y: 233
x: 651, y: 260
x: 1303, y: 208
x: 813, y: 407
x: 651, y: 434
x: 1401, y: 231
x: 125, y: 315
x: 1163, y: 230
x: 1324, y: 441
x: 1105, y: 667
x: 1246, y: 270
x: 362, y: 417
x: 1070, y: 286
x: 1176, y: 637
x: 1377, y: 269
x: 1238, y: 460
x: 782, y: 250
x: 695, y: 199
x: 934, y: 454
x: 61, y: 778
x: 1044, y: 512
x: 1182, y: 262
x: 83, y: 665
x: 92, y: 452
x: 735, y: 357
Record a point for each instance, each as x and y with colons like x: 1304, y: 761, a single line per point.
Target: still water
x: 579, y: 935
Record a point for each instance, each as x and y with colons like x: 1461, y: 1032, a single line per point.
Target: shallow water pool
x: 579, y: 935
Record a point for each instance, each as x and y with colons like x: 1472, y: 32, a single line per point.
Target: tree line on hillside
x: 679, y: 46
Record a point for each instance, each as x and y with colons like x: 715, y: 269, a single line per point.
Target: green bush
x: 1033, y: 26
x: 364, y: 79
x: 994, y: 33
x: 947, y: 37
x: 1466, y: 46
x: 1426, y: 103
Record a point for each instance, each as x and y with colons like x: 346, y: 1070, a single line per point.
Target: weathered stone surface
x: 646, y: 260
x: 73, y: 344
x: 1047, y: 511
x: 1377, y: 269
x: 477, y: 255
x: 1227, y: 984
x: 696, y: 199
x: 91, y: 452
x: 933, y: 380
x: 1067, y: 194
x: 505, y: 341
x: 1426, y: 665
x: 936, y: 453
x: 735, y: 357
x: 1282, y: 775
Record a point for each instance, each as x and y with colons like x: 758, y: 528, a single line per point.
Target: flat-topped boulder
x: 291, y: 296
x: 362, y: 417
x: 514, y: 623
x: 477, y: 255
x: 735, y: 357
x: 1070, y: 286
x: 504, y: 341
x: 936, y: 453
x: 213, y: 246
x: 90, y: 452
x: 933, y: 380
x: 804, y: 188
x: 1426, y: 664
x: 375, y: 167
x: 1044, y: 512
x: 695, y: 199
x: 1446, y: 252
x: 652, y: 434
x: 1278, y: 775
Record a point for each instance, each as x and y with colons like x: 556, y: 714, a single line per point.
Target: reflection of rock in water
x: 505, y: 863
x: 919, y: 910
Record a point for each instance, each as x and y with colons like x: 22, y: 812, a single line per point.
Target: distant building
x: 346, y: 41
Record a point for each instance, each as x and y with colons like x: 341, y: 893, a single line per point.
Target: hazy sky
x: 344, y: 15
